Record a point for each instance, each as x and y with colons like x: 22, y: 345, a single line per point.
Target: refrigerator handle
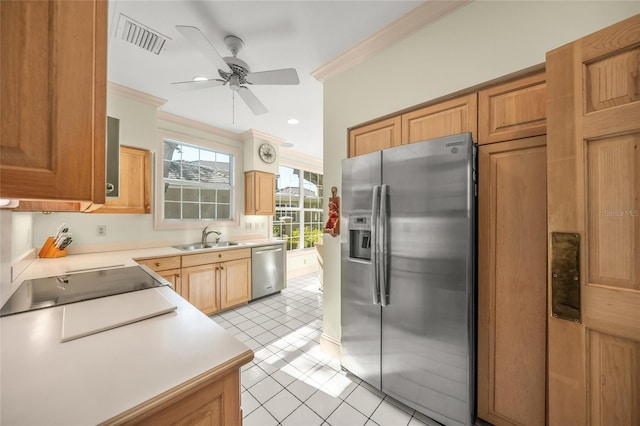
x: 375, y: 217
x: 383, y: 249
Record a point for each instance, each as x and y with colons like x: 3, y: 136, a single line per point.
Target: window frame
x: 301, y: 208
x: 236, y: 182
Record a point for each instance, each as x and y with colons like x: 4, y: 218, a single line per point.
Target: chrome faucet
x: 205, y: 234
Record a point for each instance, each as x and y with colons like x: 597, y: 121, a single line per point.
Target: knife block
x: 49, y: 250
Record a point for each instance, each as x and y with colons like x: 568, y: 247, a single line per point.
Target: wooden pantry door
x: 593, y: 175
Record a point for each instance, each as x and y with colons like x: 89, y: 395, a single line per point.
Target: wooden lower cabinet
x: 512, y: 286
x: 235, y: 283
x: 211, y: 281
x: 213, y: 401
x: 211, y: 405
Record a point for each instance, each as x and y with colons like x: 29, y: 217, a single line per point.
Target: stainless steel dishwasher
x: 268, y: 269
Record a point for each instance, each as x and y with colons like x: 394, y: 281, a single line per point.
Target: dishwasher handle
x: 268, y: 250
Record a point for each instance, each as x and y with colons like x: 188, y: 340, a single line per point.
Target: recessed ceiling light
x: 292, y: 121
x: 200, y: 78
x: 287, y: 145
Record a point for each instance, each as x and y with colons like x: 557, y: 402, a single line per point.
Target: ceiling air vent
x: 142, y: 36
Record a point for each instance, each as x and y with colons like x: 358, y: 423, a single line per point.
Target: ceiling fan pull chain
x: 233, y: 107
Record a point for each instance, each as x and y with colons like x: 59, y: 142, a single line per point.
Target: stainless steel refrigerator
x: 408, y: 274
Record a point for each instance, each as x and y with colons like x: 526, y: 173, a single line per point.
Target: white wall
x: 479, y: 42
x: 140, y: 124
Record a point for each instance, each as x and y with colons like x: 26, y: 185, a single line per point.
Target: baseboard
x: 330, y: 346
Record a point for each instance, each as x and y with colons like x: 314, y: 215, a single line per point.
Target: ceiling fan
x: 234, y: 71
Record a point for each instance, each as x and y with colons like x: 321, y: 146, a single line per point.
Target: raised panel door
x: 53, y: 85
x: 512, y: 286
x: 459, y: 115
x: 513, y: 110
x: 593, y: 175
x: 235, y: 283
x: 135, y: 183
x: 200, y: 288
x: 374, y: 137
x: 174, y: 277
x: 259, y: 197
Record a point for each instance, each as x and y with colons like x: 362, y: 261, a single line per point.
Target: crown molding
x: 167, y: 116
x: 252, y: 133
x: 399, y: 29
x: 296, y: 159
x: 135, y: 95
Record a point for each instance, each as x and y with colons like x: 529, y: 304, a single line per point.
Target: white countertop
x: 93, y: 378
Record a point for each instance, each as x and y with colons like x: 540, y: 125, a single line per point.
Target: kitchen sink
x: 200, y: 246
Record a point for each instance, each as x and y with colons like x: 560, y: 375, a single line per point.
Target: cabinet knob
x: 157, y: 263
x: 222, y: 268
x: 177, y: 275
x: 219, y: 254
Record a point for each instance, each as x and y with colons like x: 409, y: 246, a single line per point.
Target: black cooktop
x: 47, y: 292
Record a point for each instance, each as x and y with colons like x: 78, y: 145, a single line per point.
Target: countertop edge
x: 148, y: 406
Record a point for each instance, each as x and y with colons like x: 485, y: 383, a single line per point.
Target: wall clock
x: 267, y: 153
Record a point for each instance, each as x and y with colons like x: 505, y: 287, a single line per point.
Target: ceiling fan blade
x: 200, y: 42
x: 283, y: 76
x: 252, y: 101
x: 203, y: 84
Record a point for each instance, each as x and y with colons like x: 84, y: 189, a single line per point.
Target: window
x: 198, y: 183
x: 299, y: 217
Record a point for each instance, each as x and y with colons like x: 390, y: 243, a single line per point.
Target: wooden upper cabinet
x: 135, y: 183
x: 513, y: 110
x: 375, y: 137
x: 53, y: 85
x: 259, y: 193
x: 446, y: 118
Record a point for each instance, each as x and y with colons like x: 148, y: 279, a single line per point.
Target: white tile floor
x: 291, y: 381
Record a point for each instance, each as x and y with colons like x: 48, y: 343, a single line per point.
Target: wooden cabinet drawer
x: 161, y: 263
x: 215, y: 257
x: 513, y: 110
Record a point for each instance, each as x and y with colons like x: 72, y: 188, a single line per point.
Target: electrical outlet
x: 248, y: 225
x: 101, y: 230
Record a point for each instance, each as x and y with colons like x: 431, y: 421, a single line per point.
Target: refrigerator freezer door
x: 427, y: 326
x: 360, y: 317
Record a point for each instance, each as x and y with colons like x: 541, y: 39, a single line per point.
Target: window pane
x: 208, y: 211
x: 224, y: 211
x: 190, y: 193
x: 207, y: 195
x: 172, y: 192
x: 191, y: 211
x: 224, y: 196
x: 193, y: 176
x: 172, y: 210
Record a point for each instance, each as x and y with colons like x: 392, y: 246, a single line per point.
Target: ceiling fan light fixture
x: 293, y: 121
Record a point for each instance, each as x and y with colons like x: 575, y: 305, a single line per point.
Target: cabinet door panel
x: 199, y: 287
x: 513, y: 110
x: 53, y: 85
x: 135, y: 183
x: 512, y: 282
x: 235, y: 285
x: 173, y: 276
x: 375, y: 137
x: 259, y: 193
x: 446, y: 118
